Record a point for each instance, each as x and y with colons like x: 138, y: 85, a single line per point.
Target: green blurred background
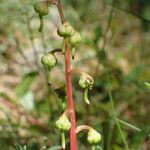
x: 115, y: 51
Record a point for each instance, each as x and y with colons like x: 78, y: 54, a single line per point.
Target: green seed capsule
x: 63, y: 123
x: 86, y: 81
x: 93, y: 136
x: 75, y: 39
x: 41, y: 8
x: 65, y: 30
x: 49, y: 60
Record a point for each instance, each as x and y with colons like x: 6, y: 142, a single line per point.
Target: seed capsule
x: 65, y: 30
x: 49, y: 60
x: 63, y: 123
x: 86, y: 81
x: 41, y: 8
x: 75, y: 39
x: 93, y: 136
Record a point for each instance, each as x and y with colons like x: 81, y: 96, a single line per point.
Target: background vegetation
x: 115, y: 51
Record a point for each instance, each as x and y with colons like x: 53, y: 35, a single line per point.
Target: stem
x: 70, y: 104
x: 83, y: 127
x: 49, y: 77
x: 63, y: 140
x: 59, y: 6
x: 56, y: 50
x: 63, y: 104
x: 41, y: 23
x: 63, y: 46
x: 93, y: 147
x: 86, y: 96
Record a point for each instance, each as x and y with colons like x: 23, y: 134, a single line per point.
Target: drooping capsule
x: 65, y: 30
x: 75, y: 39
x: 49, y: 60
x: 63, y: 123
x: 93, y: 136
x: 41, y: 8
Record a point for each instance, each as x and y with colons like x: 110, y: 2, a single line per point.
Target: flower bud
x: 75, y: 39
x: 93, y: 136
x: 86, y: 81
x: 65, y: 30
x: 63, y: 123
x: 49, y: 60
x: 41, y: 8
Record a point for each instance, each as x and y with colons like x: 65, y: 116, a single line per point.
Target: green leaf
x: 55, y: 148
x: 27, y: 100
x: 25, y: 84
x: 20, y: 147
x: 147, y: 85
x: 98, y: 148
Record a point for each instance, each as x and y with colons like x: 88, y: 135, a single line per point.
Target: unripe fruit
x: 49, y: 60
x: 41, y: 8
x: 86, y: 81
x: 65, y: 30
x: 75, y: 39
x: 63, y: 123
x: 93, y: 136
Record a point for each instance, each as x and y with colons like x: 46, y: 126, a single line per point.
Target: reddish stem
x: 70, y: 103
x: 83, y: 127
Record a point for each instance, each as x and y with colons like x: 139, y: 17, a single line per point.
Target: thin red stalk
x: 83, y: 127
x: 70, y: 103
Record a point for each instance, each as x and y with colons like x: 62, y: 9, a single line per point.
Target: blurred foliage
x: 116, y: 41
